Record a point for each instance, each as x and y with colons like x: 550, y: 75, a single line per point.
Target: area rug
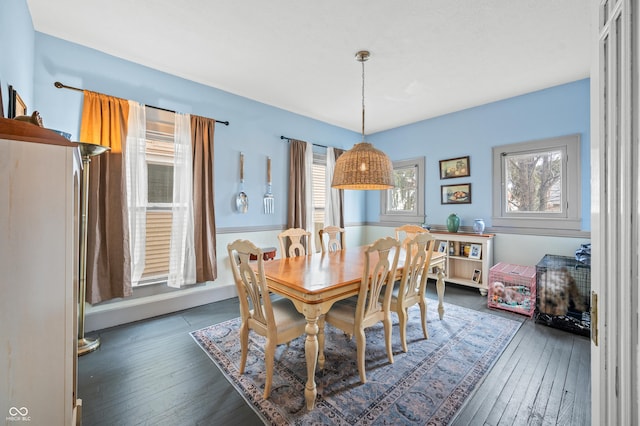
x: 425, y: 386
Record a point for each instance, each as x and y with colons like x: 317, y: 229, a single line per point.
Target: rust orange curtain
x: 104, y: 122
x: 204, y: 221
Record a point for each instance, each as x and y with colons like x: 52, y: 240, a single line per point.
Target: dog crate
x: 512, y: 288
x: 563, y: 286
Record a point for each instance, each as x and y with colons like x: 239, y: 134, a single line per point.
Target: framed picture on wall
x: 455, y: 194
x: 454, y: 168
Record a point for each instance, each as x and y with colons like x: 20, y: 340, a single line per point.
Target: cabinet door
x: 37, y: 294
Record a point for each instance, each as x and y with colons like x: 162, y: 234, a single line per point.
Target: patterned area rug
x: 425, y: 386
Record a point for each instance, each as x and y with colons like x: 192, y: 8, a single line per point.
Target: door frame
x: 615, y: 194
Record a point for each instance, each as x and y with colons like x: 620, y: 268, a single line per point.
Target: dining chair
x: 335, y: 238
x: 295, y: 236
x: 408, y: 231
x: 412, y: 286
x: 278, y: 320
x: 354, y: 315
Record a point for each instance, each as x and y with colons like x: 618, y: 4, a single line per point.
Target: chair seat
x: 343, y: 310
x: 394, y: 293
x: 287, y: 316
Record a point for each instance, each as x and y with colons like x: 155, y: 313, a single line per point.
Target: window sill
x: 548, y: 232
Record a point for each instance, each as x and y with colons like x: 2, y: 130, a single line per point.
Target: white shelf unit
x: 39, y: 196
x: 459, y: 268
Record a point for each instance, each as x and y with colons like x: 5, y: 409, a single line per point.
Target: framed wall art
x: 455, y: 194
x: 454, y: 168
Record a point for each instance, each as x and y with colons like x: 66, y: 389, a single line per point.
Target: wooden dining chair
x: 354, y: 316
x: 408, y: 231
x: 412, y: 286
x: 296, y: 237
x: 334, y: 239
x: 278, y: 321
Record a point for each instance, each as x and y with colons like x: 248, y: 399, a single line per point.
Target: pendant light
x: 363, y: 166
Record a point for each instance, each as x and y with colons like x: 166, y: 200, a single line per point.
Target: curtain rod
x: 64, y: 86
x: 315, y: 144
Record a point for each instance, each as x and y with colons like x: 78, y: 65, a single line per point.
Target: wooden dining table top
x: 311, y: 276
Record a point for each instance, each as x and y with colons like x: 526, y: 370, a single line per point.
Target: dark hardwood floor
x: 152, y: 373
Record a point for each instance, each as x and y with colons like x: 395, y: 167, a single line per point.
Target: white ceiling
x: 428, y: 57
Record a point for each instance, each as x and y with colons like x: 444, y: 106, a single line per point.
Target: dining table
x: 316, y: 281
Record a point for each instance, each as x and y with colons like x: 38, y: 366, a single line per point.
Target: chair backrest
x: 295, y: 236
x: 335, y: 238
x: 406, y: 232
x: 255, y: 304
x: 378, y: 274
x: 418, y: 252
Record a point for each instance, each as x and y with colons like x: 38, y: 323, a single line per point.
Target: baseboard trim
x: 126, y: 311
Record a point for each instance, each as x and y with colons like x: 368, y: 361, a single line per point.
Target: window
x: 159, y: 153
x: 319, y: 191
x: 405, y: 202
x: 159, y: 183
x: 537, y: 184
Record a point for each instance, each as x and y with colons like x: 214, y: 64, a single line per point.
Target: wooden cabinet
x: 39, y: 207
x: 469, y: 258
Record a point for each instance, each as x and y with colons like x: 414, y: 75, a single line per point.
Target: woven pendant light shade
x: 363, y: 167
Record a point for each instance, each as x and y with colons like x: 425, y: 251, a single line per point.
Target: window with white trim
x: 160, y: 127
x: 405, y: 202
x: 319, y: 191
x: 536, y: 184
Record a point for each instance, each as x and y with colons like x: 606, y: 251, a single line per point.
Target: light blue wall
x: 32, y: 61
x: 16, y: 51
x: 556, y: 111
x: 255, y: 128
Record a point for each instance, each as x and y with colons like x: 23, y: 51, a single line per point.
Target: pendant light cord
x: 362, y: 101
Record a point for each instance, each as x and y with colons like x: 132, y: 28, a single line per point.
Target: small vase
x: 453, y: 223
x: 478, y: 226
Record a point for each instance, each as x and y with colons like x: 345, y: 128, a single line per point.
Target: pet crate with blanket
x: 512, y: 288
x: 563, y: 287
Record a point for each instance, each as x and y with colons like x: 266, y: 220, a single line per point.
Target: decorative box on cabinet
x: 39, y: 207
x: 469, y: 258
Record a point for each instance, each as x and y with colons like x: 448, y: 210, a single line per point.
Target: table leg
x: 311, y: 355
x: 321, y: 343
x: 440, y: 290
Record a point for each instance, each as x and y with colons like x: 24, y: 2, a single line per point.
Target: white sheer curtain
x: 135, y: 159
x: 308, y: 195
x: 182, y: 259
x: 332, y: 202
